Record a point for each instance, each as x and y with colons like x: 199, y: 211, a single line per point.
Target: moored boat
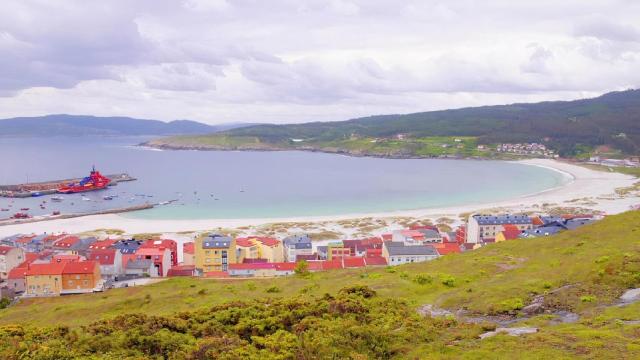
x: 95, y: 181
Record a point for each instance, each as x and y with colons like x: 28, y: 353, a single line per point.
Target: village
x: 63, y: 264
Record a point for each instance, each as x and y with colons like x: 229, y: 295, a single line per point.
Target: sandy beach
x: 587, y: 189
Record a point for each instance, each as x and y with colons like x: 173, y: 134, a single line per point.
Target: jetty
x: 51, y: 186
x: 11, y: 221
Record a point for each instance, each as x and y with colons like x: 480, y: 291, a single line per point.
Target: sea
x: 242, y: 184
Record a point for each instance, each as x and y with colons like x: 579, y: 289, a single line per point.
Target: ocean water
x: 256, y: 184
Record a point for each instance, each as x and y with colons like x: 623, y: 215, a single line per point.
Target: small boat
x: 108, y: 197
x: 4, y: 209
x: 20, y: 216
x: 36, y: 194
x: 57, y: 198
x: 56, y: 213
x: 85, y: 199
x: 164, y: 203
x: 24, y: 209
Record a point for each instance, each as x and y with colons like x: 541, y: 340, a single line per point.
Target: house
x: 140, y: 268
x: 284, y: 269
x: 485, y: 228
x: 81, y: 277
x: 252, y: 270
x: 375, y: 260
x: 257, y: 247
x: 66, y: 243
x: 214, y: 252
x: 44, y: 279
x: 359, y: 247
x: 160, y: 256
x: 397, y: 253
x: 408, y: 237
x: 66, y: 258
x: 182, y: 270
x: 542, y: 231
x: 16, y: 279
x: 431, y: 235
x: 322, y: 251
x: 510, y: 232
x: 336, y: 250
x: 128, y: 249
x: 353, y: 262
x: 161, y: 244
x: 109, y: 261
x: 447, y: 248
x: 296, y: 245
x: 10, y: 257
x: 188, y: 253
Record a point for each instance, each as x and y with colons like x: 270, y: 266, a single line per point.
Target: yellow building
x: 336, y: 250
x: 257, y: 247
x: 214, y: 252
x: 44, y: 279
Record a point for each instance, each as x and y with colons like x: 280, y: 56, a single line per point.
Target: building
x: 182, y: 270
x: 408, y: 237
x: 128, y: 249
x: 485, y: 228
x: 140, y: 268
x: 81, y: 277
x: 214, y: 252
x: 337, y: 250
x: 188, y: 253
x: 10, y: 257
x: 102, y: 244
x: 258, y: 247
x: 44, y: 279
x: 160, y: 256
x: 397, y: 253
x: 510, y: 232
x: 431, y: 235
x: 360, y: 247
x: 109, y: 261
x: 161, y: 244
x: 16, y: 279
x: 296, y: 245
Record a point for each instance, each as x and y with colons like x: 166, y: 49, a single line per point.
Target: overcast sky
x: 285, y: 61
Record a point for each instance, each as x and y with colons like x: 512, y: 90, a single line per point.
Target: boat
x: 108, y: 197
x: 4, y: 209
x: 84, y: 198
x: 20, y: 216
x: 56, y: 213
x: 57, y: 198
x: 24, y: 209
x: 95, y: 181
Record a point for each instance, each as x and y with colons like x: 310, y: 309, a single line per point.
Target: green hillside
x: 572, y: 128
x: 360, y: 314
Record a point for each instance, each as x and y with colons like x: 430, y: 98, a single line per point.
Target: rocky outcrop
x: 515, y: 331
x: 630, y: 296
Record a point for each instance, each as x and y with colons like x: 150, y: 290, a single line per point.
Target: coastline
x: 586, y: 186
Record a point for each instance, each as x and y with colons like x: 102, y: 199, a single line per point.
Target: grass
x: 599, y: 260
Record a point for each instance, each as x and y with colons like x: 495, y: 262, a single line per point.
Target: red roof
x: 46, y: 269
x: 373, y: 252
x: 25, y: 239
x: 423, y: 227
x: 447, y: 248
x: 511, y: 232
x: 535, y: 220
x: 103, y: 256
x: 189, y: 248
x: 53, y: 238
x: 67, y: 241
x: 151, y: 251
x: 353, y: 262
x: 30, y: 257
x: 387, y: 237
x: 5, y: 249
x: 285, y: 266
x: 375, y: 261
x: 412, y: 233
x: 65, y: 258
x: 266, y: 241
x: 159, y: 244
x: 17, y: 273
x: 244, y: 242
x: 181, y: 270
x: 102, y: 244
x: 80, y: 267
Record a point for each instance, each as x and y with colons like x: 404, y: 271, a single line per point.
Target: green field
x: 592, y: 266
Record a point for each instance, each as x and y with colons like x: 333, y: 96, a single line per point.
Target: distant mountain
x: 79, y: 125
x: 612, y: 119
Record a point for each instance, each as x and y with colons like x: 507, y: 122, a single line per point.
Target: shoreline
x: 586, y: 184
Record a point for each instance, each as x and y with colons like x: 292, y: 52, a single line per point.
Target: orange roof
x: 188, y: 248
x: 151, y: 251
x: 65, y: 258
x: 67, y: 241
x: 244, y: 242
x: 45, y: 269
x: 216, y: 274
x: 25, y: 239
x: 103, y: 256
x: 266, y: 241
x: 80, y: 267
x: 159, y: 244
x: 535, y: 220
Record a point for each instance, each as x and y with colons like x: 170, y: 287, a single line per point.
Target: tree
x: 302, y: 268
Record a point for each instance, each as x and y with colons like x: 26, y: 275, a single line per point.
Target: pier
x: 51, y: 187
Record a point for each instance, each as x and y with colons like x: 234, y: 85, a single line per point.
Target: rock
x: 565, y: 317
x: 517, y: 331
x: 433, y: 311
x: 630, y: 296
x: 631, y: 322
x: 535, y: 308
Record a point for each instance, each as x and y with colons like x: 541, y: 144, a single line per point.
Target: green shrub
x: 423, y: 279
x: 512, y: 304
x: 390, y: 269
x: 448, y: 281
x: 587, y: 298
x: 272, y: 289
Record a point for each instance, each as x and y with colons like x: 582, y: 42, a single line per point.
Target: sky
x: 290, y: 61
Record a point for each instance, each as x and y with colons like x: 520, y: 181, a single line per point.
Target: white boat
x: 57, y: 198
x: 85, y: 199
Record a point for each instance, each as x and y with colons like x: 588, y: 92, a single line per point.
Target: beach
x: 586, y: 189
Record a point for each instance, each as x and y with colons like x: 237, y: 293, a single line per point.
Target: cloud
x: 286, y: 60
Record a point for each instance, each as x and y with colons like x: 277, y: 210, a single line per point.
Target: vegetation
x: 363, y: 313
x: 574, y: 128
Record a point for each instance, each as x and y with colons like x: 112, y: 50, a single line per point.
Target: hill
x: 364, y: 313
x: 80, y: 125
x: 570, y: 127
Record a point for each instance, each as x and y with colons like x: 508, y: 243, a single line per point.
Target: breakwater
x: 51, y: 186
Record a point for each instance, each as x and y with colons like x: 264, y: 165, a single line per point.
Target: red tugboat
x: 95, y: 181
